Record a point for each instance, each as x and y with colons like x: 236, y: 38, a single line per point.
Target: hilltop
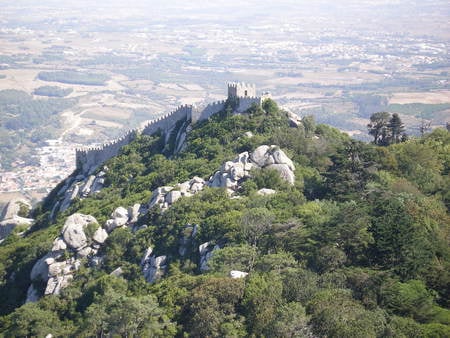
x: 252, y: 223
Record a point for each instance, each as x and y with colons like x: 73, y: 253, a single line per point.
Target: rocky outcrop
x: 266, y: 192
x: 76, y: 241
x: 164, y: 197
x: 206, y: 251
x: 230, y: 176
x: 79, y: 187
x: 153, y: 267
x: 123, y: 217
x: 8, y: 225
x: 14, y: 208
x: 73, y: 231
x: 294, y: 120
x: 13, y: 216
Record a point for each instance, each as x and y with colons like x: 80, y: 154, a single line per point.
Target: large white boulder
x: 59, y: 245
x: 173, y: 196
x: 266, y: 192
x: 40, y: 269
x: 285, y: 172
x: 281, y: 158
x: 259, y: 155
x: 73, y: 230
x: 100, y: 235
x: 238, y: 274
x: 120, y: 212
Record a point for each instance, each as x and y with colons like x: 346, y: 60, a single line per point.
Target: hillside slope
x: 317, y: 235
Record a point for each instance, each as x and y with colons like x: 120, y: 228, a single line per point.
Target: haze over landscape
x: 225, y: 169
x: 81, y: 73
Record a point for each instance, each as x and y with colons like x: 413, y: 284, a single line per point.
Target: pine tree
x: 396, y: 128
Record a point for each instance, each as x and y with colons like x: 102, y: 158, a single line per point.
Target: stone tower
x: 241, y: 90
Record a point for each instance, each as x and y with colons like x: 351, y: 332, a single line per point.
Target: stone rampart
x: 88, y: 159
x: 166, y: 122
x: 246, y: 102
x: 206, y: 112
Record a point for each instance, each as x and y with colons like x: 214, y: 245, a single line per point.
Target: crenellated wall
x: 166, y: 122
x: 246, y: 102
x: 208, y: 111
x: 88, y: 159
x: 238, y: 89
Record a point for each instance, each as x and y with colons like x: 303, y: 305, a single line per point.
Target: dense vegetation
x: 25, y: 121
x: 72, y: 77
x: 357, y: 247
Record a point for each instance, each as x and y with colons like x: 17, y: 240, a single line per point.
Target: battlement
x: 241, y: 89
x: 89, y: 158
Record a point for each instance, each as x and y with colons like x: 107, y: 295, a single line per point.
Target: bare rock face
x: 8, y: 225
x: 120, y: 212
x: 100, y: 235
x: 133, y: 213
x: 12, y: 217
x: 265, y: 192
x: 80, y: 187
x: 153, y: 267
x: 259, y: 155
x: 206, y: 251
x: 32, y: 294
x: 40, y: 268
x: 285, y: 172
x: 13, y: 208
x: 230, y: 176
x: 73, y: 230
x: 119, y: 217
x: 238, y: 274
x: 280, y: 158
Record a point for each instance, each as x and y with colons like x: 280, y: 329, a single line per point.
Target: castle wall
x: 241, y: 90
x: 89, y: 159
x: 208, y: 111
x: 246, y: 102
x: 166, y: 122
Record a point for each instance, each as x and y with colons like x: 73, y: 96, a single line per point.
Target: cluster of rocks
x: 294, y: 120
x: 123, y: 217
x: 206, y: 251
x: 230, y: 176
x: 10, y: 217
x: 79, y: 187
x: 81, y: 236
x: 153, y: 267
x: 232, y: 173
x: 164, y: 197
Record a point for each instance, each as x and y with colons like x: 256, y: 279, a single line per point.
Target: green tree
x: 408, y: 299
x: 262, y: 297
x: 32, y: 321
x: 117, y: 314
x: 378, y: 127
x: 290, y: 320
x: 211, y: 309
x: 396, y: 128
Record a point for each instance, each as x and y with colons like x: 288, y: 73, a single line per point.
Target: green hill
x: 356, y: 245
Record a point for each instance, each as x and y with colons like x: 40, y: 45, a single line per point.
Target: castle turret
x: 241, y: 90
